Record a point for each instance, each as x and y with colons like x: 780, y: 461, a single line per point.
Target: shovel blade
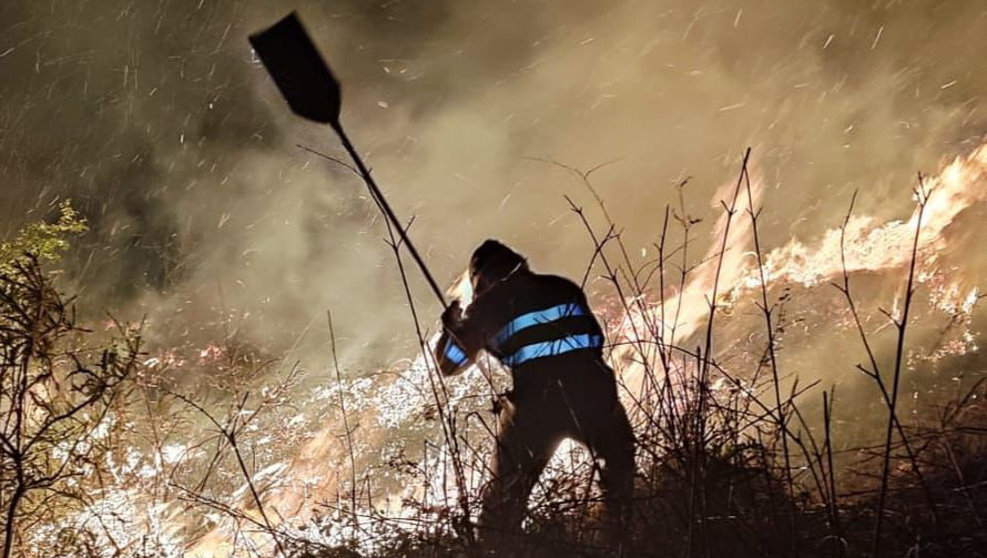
x: 299, y: 71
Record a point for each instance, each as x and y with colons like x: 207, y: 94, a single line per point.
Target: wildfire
x: 865, y: 243
x: 873, y: 246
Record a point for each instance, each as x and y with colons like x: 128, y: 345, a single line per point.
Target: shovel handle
x: 386, y: 208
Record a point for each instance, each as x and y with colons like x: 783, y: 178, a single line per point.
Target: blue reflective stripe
x: 454, y: 354
x: 536, y: 318
x: 552, y: 348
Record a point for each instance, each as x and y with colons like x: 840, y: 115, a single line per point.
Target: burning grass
x: 782, y: 408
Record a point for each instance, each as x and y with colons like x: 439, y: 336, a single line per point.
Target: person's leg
x: 614, y: 443
x: 525, y: 444
x: 601, y: 423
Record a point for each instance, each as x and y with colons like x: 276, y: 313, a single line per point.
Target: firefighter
x: 542, y: 329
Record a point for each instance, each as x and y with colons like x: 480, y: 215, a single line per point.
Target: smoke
x: 164, y: 130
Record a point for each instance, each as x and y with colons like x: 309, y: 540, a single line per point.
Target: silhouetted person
x: 540, y: 327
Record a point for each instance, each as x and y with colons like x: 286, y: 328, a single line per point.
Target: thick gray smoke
x: 164, y: 130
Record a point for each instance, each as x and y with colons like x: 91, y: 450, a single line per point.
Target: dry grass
x: 736, y: 456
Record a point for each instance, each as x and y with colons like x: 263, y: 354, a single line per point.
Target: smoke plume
x: 160, y: 125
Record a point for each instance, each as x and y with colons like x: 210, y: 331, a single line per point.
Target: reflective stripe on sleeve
x: 454, y: 354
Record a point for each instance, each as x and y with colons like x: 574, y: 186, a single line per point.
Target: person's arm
x: 459, y: 343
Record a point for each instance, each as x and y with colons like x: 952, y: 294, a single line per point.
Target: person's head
x: 493, y: 262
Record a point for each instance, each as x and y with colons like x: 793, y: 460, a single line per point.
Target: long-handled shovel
x: 312, y: 92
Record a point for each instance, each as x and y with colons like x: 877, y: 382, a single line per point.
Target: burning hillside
x: 215, y: 343
x: 398, y: 470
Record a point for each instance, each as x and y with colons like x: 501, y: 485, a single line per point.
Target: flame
x: 872, y: 246
x: 867, y: 244
x: 687, y: 307
x: 461, y: 289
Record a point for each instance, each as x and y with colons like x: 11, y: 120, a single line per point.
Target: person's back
x: 541, y: 327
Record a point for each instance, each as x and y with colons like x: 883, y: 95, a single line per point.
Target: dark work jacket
x: 536, y: 325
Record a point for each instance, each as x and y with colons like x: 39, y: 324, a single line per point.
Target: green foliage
x: 60, y: 397
x: 43, y: 241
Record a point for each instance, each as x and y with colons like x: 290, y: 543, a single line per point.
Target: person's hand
x: 452, y: 315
